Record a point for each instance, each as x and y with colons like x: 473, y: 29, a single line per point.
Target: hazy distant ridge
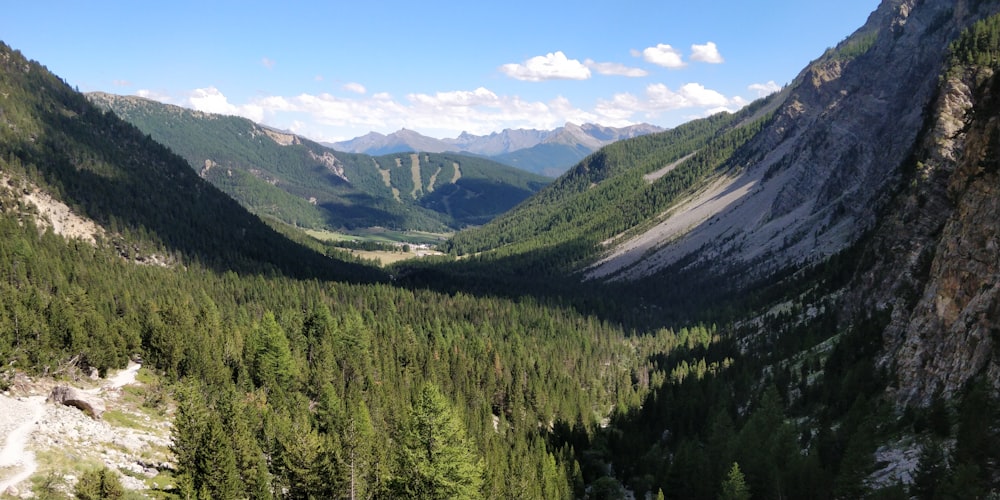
x: 549, y: 152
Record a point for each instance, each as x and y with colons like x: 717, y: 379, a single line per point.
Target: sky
x: 334, y: 70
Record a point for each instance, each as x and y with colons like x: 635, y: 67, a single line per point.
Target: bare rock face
x: 937, y: 253
x: 328, y: 160
x: 952, y: 332
x: 69, y: 396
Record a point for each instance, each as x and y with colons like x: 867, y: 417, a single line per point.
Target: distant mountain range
x: 546, y: 152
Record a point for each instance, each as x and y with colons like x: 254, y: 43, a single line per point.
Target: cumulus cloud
x: 267, y: 63
x: 658, y: 98
x: 708, y: 53
x: 211, y: 100
x: 355, y: 87
x: 615, y: 69
x: 698, y: 96
x: 620, y: 107
x: 664, y: 55
x: 551, y: 66
x: 153, y: 95
x: 764, y: 89
x: 460, y: 98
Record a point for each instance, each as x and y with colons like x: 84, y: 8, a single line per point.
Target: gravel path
x: 20, y: 416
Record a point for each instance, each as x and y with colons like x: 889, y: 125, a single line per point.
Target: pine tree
x: 358, y: 441
x: 272, y: 357
x: 735, y: 486
x: 216, y: 463
x: 437, y: 460
x: 931, y: 468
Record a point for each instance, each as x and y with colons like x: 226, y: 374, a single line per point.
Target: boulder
x: 69, y: 396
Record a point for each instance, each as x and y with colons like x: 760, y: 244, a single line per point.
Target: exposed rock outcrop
x: 936, y: 255
x: 90, y: 404
x: 331, y: 163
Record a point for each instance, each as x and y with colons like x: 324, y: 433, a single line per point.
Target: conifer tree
x: 271, y: 355
x: 437, y: 460
x: 734, y: 487
x: 358, y: 442
x: 99, y: 484
x: 931, y: 468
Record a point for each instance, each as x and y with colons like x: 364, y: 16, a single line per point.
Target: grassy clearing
x: 63, y: 461
x: 386, y: 258
x: 330, y: 235
x: 118, y: 418
x: 382, y: 235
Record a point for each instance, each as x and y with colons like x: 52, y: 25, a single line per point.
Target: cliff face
x: 937, y: 254
x: 811, y: 182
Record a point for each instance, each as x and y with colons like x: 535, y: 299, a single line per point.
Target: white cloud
x: 659, y: 98
x: 615, y: 69
x: 664, y: 55
x: 764, y: 89
x: 551, y: 66
x: 211, y: 100
x: 690, y: 95
x: 459, y: 98
x: 267, y: 63
x: 153, y: 95
x: 698, y: 96
x: 708, y: 53
x: 274, y: 103
x: 355, y: 87
x: 621, y: 107
x: 121, y: 83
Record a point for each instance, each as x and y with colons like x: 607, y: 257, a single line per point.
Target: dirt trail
x: 19, y: 421
x: 20, y: 418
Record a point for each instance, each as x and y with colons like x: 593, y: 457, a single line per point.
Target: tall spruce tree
x: 437, y: 460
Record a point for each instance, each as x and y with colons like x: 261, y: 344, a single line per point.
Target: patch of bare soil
x: 63, y: 221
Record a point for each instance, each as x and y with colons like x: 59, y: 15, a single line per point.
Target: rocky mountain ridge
x: 813, y: 180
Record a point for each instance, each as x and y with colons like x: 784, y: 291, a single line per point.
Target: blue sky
x: 333, y: 70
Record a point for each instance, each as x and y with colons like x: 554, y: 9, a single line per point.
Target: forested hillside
x: 302, y: 183
x: 149, y: 200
